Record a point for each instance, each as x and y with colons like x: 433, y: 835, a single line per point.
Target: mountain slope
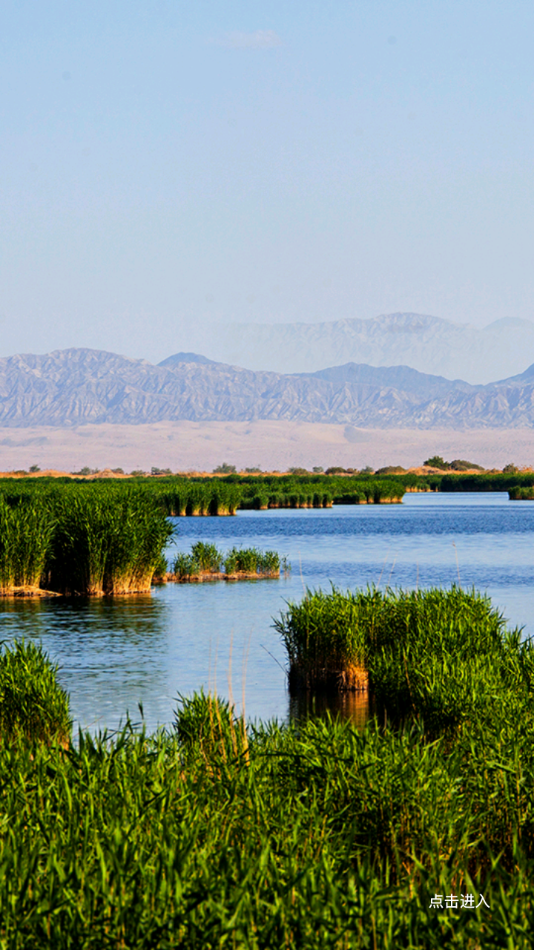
x: 80, y: 386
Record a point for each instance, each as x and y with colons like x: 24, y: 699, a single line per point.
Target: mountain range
x: 428, y: 344
x: 80, y: 386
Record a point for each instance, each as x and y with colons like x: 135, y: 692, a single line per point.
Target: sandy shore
x: 183, y: 446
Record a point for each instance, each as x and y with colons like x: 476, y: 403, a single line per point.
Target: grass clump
x: 205, y: 559
x: 107, y: 541
x: 207, y: 726
x: 208, y: 556
x: 33, y: 707
x: 441, y: 654
x: 521, y: 493
x: 252, y: 561
x: 26, y: 529
x: 326, y: 641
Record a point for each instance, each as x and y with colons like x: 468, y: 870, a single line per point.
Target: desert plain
x: 200, y: 446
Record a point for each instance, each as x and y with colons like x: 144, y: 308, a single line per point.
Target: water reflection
x: 352, y: 706
x: 111, y: 652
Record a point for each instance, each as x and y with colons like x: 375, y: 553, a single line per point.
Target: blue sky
x: 164, y: 165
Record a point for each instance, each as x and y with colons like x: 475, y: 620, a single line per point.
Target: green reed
x: 33, y: 707
x: 521, y: 493
x: 207, y: 555
x: 315, y: 835
x: 26, y: 528
x: 440, y: 653
x: 107, y: 540
x: 254, y: 561
x: 205, y: 559
x: 324, y: 637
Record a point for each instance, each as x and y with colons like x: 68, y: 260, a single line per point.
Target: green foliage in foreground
x: 33, y: 707
x: 309, y: 836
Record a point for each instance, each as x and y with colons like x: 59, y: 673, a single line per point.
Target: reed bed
x: 106, y: 541
x: 444, y: 657
x: 26, y: 529
x: 218, y: 834
x: 33, y: 707
x: 205, y: 561
x: 200, y: 496
x: 521, y: 493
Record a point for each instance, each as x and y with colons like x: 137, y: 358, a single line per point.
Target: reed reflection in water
x: 350, y: 705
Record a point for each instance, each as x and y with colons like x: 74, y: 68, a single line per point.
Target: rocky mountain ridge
x: 80, y: 386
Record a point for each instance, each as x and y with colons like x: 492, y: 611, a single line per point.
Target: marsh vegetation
x: 207, y: 562
x: 217, y: 832
x: 76, y: 539
x: 442, y: 655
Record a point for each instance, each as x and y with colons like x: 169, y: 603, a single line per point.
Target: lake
x: 117, y: 653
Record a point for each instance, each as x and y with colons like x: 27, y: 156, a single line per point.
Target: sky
x: 168, y: 166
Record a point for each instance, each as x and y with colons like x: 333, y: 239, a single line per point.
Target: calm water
x: 115, y: 654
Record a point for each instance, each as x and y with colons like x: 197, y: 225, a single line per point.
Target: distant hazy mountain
x: 428, y: 344
x: 80, y: 386
x: 185, y: 358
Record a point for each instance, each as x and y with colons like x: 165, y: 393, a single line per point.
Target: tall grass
x: 326, y: 641
x: 107, y: 541
x: 26, y: 529
x: 33, y: 707
x: 206, y: 559
x: 439, y: 653
x: 220, y: 835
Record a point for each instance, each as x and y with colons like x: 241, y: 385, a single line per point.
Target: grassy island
x: 206, y: 562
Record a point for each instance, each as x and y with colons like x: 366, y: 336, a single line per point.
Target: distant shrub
x: 224, y: 469
x: 86, y: 471
x: 436, y: 461
x: 34, y: 469
x: 391, y: 470
x: 298, y: 471
x: 461, y: 465
x: 510, y: 469
x: 457, y: 465
x: 318, y: 470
